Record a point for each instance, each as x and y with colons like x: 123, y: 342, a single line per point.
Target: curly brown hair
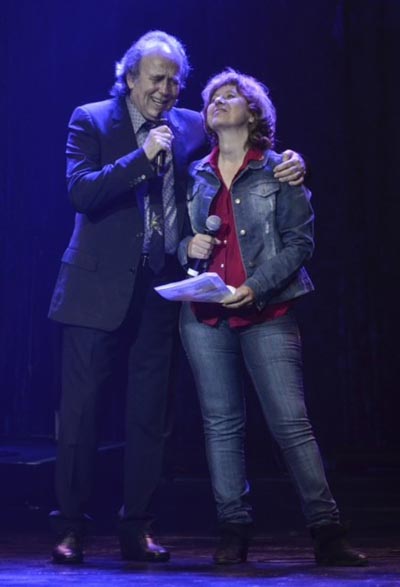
x: 262, y: 129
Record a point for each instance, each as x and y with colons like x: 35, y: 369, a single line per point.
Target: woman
x: 265, y: 237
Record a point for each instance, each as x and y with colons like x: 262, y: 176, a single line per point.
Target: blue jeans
x: 271, y: 353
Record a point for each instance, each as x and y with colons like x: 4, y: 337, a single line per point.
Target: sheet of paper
x: 206, y: 287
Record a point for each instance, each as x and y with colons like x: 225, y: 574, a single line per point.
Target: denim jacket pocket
x: 80, y: 259
x: 264, y: 189
x: 200, y: 188
x: 199, y: 200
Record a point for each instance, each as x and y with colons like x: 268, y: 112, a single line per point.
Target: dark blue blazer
x: 104, y: 166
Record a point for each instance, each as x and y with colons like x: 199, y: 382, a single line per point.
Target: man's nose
x: 164, y: 87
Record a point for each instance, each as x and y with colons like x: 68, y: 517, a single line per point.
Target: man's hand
x: 201, y: 246
x: 242, y: 298
x: 292, y: 169
x: 159, y: 139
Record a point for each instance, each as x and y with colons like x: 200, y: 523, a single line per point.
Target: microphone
x: 159, y: 161
x: 197, y: 266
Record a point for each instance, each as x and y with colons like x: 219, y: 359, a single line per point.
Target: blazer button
x: 242, y: 232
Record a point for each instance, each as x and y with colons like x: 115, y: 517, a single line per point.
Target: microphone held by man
x: 201, y: 246
x: 158, y: 143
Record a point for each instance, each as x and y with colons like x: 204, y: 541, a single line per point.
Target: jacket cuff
x: 260, y: 297
x: 183, y: 251
x: 138, y: 166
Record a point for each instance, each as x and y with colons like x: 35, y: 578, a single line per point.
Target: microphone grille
x: 213, y: 223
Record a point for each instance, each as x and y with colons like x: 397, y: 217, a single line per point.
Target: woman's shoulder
x: 273, y: 158
x: 199, y: 165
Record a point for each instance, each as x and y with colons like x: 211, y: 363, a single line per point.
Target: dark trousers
x: 143, y: 345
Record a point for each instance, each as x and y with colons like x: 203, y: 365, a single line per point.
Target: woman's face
x: 228, y: 109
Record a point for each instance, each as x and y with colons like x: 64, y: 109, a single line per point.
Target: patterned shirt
x: 169, y: 204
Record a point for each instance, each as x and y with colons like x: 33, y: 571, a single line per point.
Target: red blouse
x: 227, y: 260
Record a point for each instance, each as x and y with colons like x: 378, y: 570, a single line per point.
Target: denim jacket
x: 274, y: 225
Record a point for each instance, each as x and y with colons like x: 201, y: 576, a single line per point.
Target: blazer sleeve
x: 95, y: 182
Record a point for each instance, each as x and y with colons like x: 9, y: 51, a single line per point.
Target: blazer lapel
x: 122, y: 125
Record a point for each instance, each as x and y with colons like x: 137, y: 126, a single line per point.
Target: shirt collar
x: 136, y: 117
x: 252, y: 154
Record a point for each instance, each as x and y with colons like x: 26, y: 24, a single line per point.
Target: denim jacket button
x: 242, y: 232
x: 237, y: 200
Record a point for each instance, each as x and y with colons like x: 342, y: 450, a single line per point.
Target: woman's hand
x: 242, y: 298
x: 292, y: 168
x: 201, y: 246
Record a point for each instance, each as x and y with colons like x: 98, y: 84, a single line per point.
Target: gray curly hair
x: 130, y: 62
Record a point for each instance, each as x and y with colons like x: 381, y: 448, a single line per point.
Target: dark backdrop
x: 332, y: 68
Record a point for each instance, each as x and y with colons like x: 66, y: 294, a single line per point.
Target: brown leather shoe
x: 143, y: 547
x: 68, y: 550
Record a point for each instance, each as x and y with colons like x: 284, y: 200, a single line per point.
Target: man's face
x: 156, y: 89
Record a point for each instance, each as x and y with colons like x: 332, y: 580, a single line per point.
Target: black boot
x: 332, y: 549
x: 233, y: 544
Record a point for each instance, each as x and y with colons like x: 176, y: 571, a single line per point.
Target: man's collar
x: 137, y: 118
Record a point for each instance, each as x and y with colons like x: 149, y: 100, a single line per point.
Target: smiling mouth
x: 160, y: 103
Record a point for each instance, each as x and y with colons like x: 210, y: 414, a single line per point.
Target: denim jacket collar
x: 204, y: 164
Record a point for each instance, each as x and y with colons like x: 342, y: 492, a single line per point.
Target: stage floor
x: 280, y: 560
x: 281, y: 554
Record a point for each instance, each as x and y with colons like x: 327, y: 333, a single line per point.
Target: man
x: 126, y: 172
